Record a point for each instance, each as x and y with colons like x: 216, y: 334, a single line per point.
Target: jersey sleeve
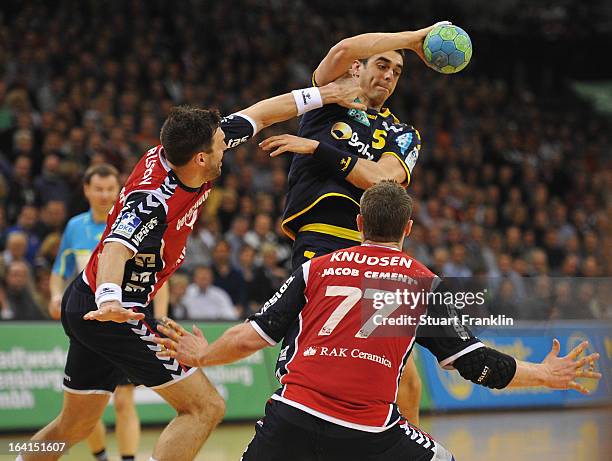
x: 65, y: 262
x: 404, y: 143
x: 278, y: 313
x: 238, y: 128
x: 140, y: 224
x: 446, y: 340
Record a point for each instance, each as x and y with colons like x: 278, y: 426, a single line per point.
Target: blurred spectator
x: 52, y: 218
x: 539, y: 304
x: 227, y: 276
x: 21, y: 190
x: 204, y: 301
x: 178, y: 284
x: 261, y: 233
x: 273, y: 274
x: 504, y: 302
x: 19, y: 301
x: 456, y: 267
x: 201, y: 243
x: 26, y: 223
x: 16, y: 248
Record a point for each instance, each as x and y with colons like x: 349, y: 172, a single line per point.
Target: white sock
x: 19, y: 458
x: 150, y: 459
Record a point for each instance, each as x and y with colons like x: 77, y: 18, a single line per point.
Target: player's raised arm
x: 289, y: 105
x: 340, y: 57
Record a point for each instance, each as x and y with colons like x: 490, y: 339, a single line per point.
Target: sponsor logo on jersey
x: 128, y: 223
x: 149, y: 164
x: 362, y: 149
x: 145, y: 260
x: 190, y: 217
x: 283, y: 353
x: 412, y: 158
x: 344, y: 163
x: 393, y: 127
x: 276, y: 296
x: 359, y: 116
x: 236, y: 142
x: 345, y: 352
x: 404, y: 141
x: 341, y: 130
x: 310, y: 351
x: 142, y: 233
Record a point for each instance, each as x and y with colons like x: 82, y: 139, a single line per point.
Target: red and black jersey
x: 153, y: 217
x: 336, y: 361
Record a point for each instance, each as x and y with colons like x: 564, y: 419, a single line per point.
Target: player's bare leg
x: 79, y: 415
x: 127, y: 426
x: 97, y: 439
x: 200, y: 408
x: 409, y: 392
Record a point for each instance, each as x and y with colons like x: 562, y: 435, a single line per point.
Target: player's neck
x: 371, y: 104
x: 189, y: 176
x: 99, y: 215
x: 395, y: 245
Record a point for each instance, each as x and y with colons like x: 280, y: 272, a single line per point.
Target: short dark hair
x: 187, y: 131
x: 386, y: 208
x: 103, y: 169
x: 399, y: 51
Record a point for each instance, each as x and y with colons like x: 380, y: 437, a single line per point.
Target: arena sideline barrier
x: 32, y: 357
x: 528, y: 341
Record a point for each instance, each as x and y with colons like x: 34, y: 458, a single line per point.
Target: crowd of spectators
x: 512, y: 183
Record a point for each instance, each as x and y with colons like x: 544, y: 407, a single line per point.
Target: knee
x: 211, y: 409
x: 412, y: 384
x: 123, y: 399
x: 215, y: 408
x: 75, y: 429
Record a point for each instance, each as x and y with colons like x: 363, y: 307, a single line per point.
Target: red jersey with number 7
x: 344, y: 319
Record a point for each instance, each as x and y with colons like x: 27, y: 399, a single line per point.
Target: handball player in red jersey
x: 340, y: 374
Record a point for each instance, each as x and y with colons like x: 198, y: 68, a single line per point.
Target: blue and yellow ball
x: 447, y: 48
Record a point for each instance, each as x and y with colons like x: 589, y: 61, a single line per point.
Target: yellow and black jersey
x: 318, y: 200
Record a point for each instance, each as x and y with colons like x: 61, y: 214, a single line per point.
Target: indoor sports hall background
x: 513, y: 185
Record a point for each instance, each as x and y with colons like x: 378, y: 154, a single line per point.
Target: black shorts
x: 288, y: 433
x: 309, y: 245
x: 102, y: 355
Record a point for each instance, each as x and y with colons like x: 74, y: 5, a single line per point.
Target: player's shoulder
x: 82, y: 219
x: 419, y: 269
x: 386, y: 115
x: 150, y: 172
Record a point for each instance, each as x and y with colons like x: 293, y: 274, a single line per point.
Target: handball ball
x: 447, y: 48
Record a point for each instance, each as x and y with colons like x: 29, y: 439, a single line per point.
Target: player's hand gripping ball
x: 447, y: 48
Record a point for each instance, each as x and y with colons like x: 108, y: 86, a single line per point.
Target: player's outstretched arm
x: 193, y: 349
x: 557, y: 372
x: 289, y: 105
x: 492, y: 368
x: 340, y: 57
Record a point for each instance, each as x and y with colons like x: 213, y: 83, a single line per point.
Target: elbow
x: 371, y: 178
x: 342, y: 49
